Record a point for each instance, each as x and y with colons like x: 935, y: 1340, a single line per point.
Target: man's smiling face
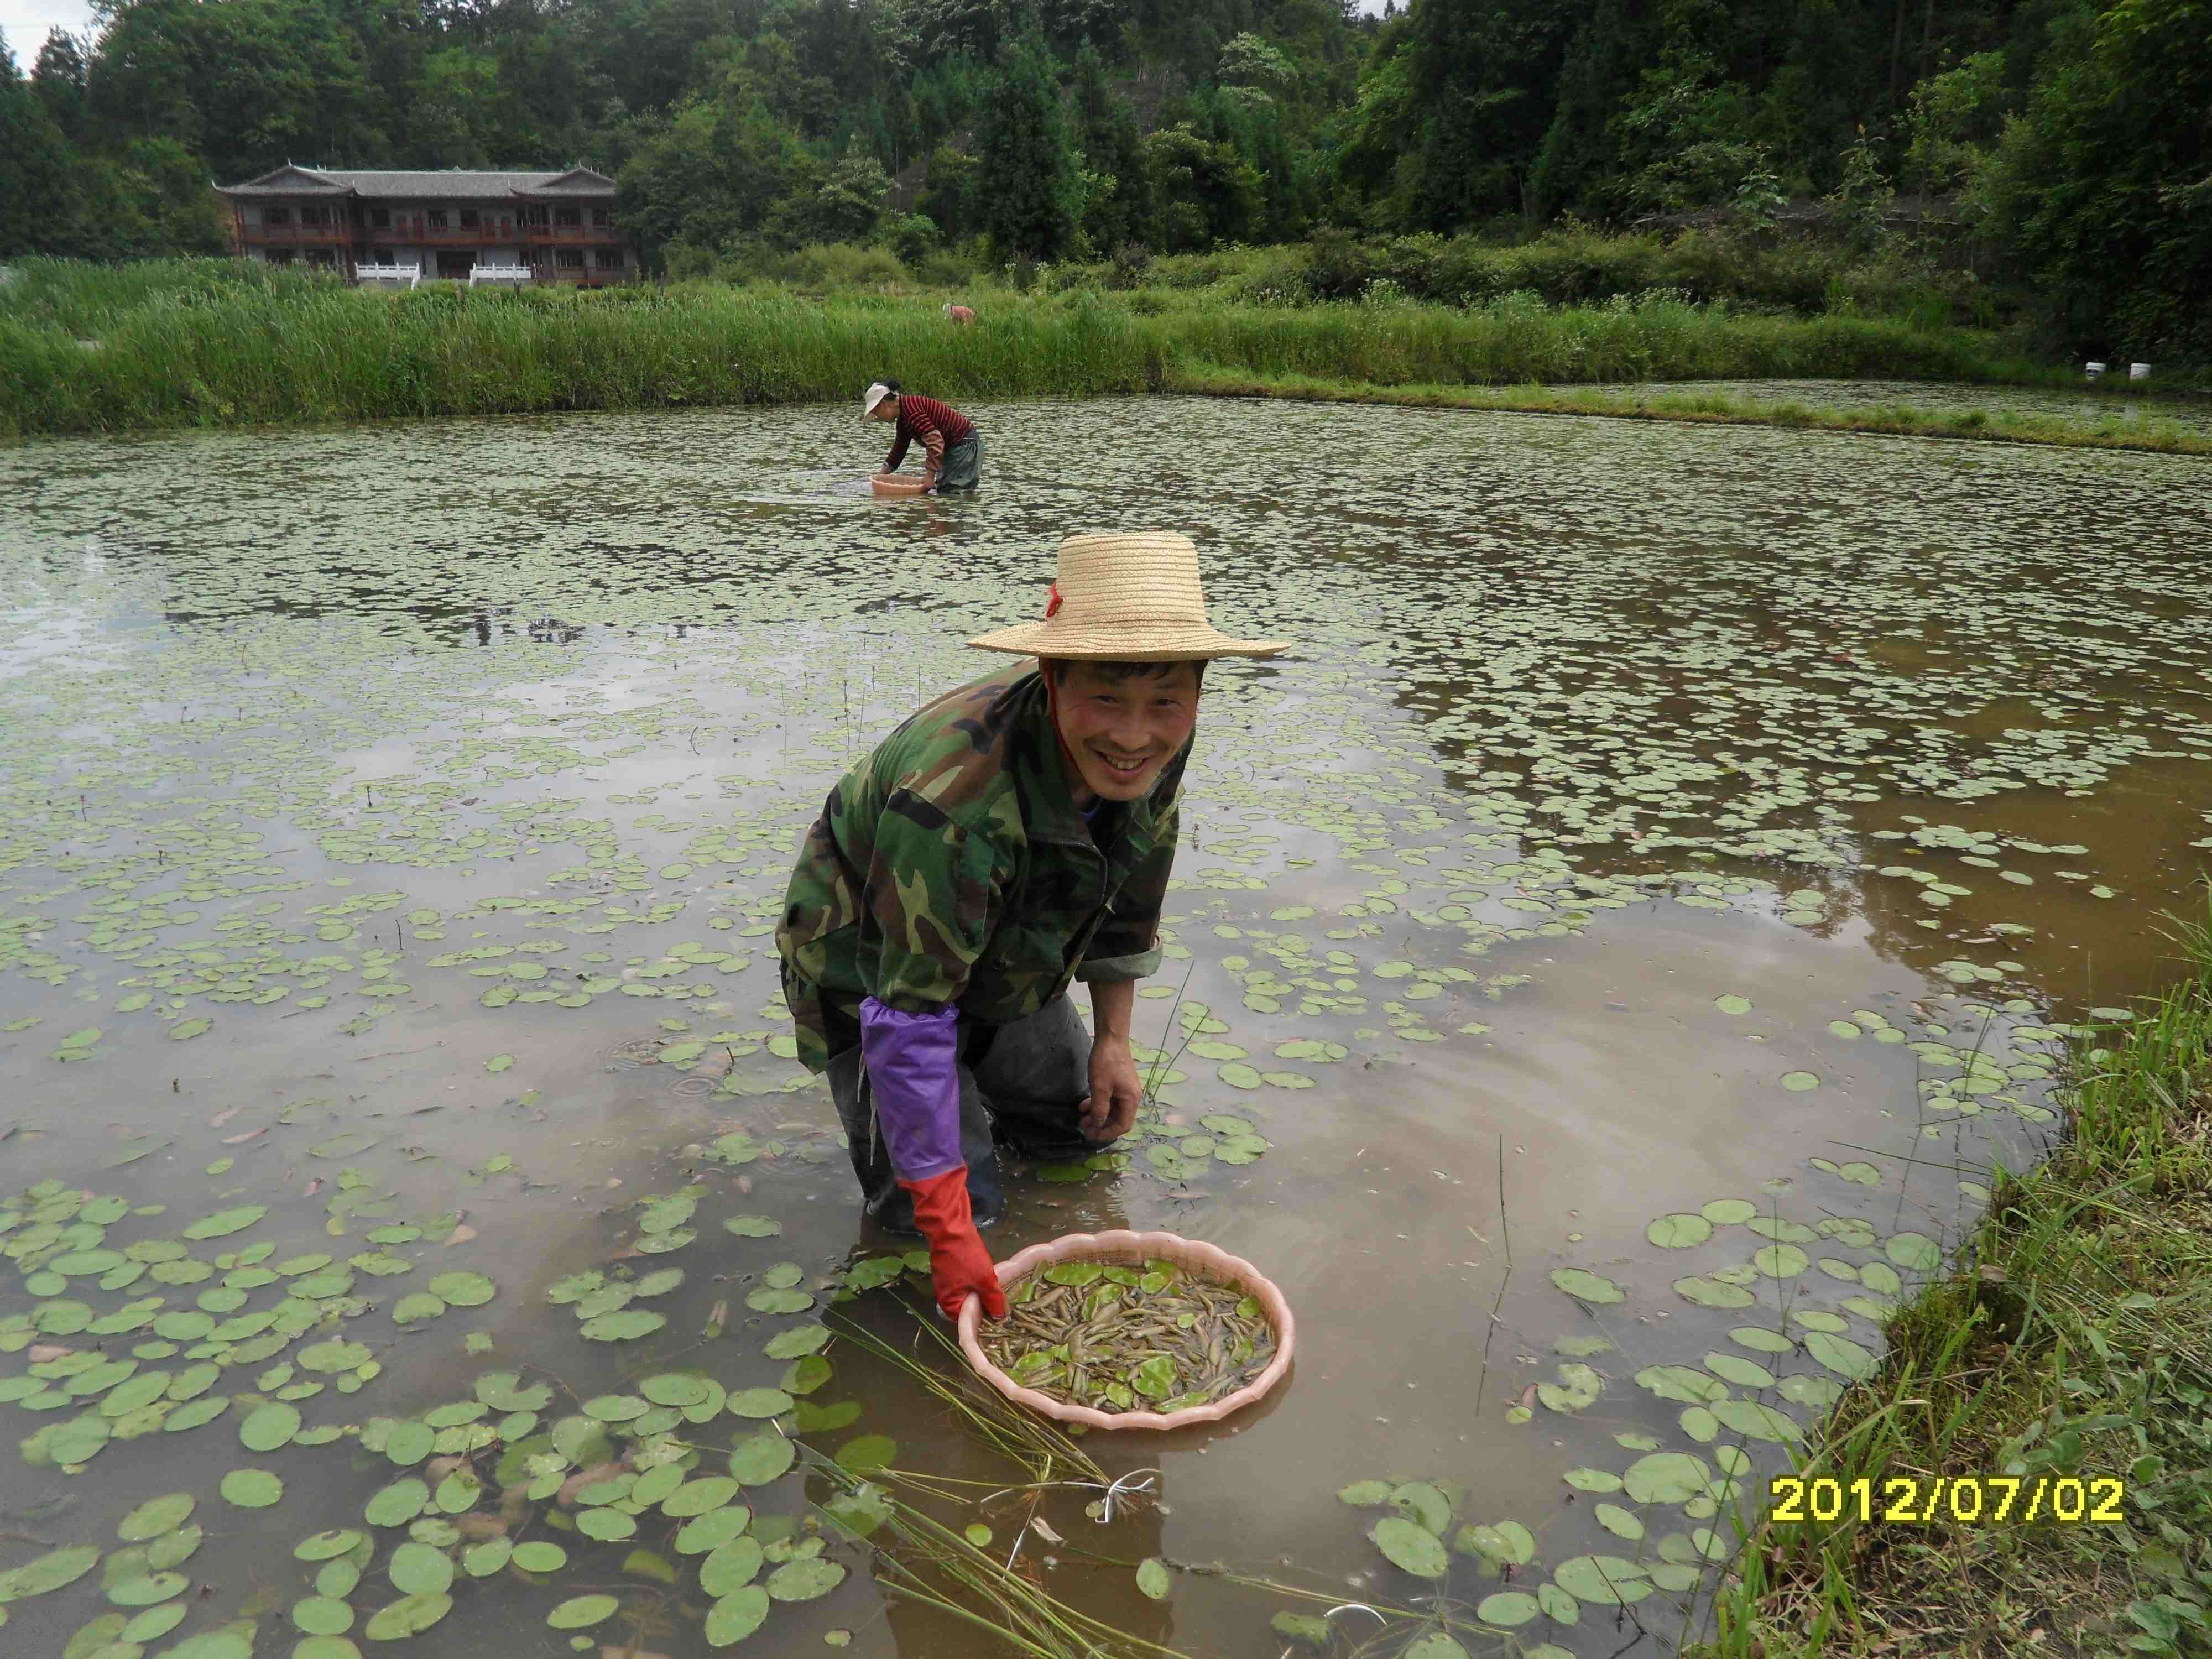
x: 1122, y: 727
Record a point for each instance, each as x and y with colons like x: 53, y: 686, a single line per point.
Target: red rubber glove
x: 958, y: 1263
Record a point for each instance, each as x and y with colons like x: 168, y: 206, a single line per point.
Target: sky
x: 27, y: 21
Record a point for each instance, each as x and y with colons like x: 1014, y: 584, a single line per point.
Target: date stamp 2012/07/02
x: 1968, y: 1500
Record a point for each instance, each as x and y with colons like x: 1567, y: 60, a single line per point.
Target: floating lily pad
x: 731, y: 1563
x: 463, y: 1289
x: 736, y: 1616
x: 1679, y: 1232
x: 1586, y: 1286
x: 155, y: 1517
x: 624, y: 1325
x: 581, y: 1612
x: 804, y: 1581
x: 409, y: 1616
x: 252, y: 1489
x: 1411, y: 1547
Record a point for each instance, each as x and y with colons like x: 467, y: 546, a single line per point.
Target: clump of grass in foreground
x: 2075, y: 1338
x: 1715, y: 408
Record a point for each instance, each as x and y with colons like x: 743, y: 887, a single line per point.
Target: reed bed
x: 217, y: 344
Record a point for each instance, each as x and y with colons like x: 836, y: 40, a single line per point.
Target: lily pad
x: 252, y: 1489
x: 760, y: 1458
x: 409, y: 1616
x: 1411, y: 1547
x: 802, y: 1581
x: 581, y: 1612
x: 1586, y: 1286
x: 155, y: 1517
x: 736, y: 1616
x: 1679, y: 1232
x: 624, y: 1325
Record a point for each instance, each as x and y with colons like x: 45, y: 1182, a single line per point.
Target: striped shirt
x: 925, y: 419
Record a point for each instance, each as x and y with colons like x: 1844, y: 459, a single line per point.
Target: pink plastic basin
x: 1121, y: 1248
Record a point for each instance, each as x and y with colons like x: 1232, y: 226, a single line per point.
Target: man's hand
x: 1116, y: 1089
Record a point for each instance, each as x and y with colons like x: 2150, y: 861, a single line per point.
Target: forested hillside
x: 2071, y: 142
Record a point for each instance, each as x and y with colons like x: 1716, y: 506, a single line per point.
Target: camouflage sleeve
x: 1127, y: 944
x: 932, y: 898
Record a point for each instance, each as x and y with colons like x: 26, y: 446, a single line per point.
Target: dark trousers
x: 964, y: 465
x: 1022, y: 1087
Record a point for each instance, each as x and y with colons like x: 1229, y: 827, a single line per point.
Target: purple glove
x: 912, y: 1063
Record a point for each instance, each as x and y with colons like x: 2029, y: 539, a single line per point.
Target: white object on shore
x: 515, y: 276
x: 395, y: 276
x: 2096, y: 370
x: 2138, y: 371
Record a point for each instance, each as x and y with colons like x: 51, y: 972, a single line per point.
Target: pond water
x: 1613, y: 949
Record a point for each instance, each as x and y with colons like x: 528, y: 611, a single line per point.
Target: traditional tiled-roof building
x: 518, y: 227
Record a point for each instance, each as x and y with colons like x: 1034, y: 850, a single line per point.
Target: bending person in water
x: 952, y: 447
x: 1012, y: 836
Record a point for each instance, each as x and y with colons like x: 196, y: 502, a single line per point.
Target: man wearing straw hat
x: 1012, y: 836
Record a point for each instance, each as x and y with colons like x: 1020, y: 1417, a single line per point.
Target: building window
x: 536, y: 215
x: 380, y: 218
x: 280, y: 256
x: 437, y: 218
x: 607, y: 258
x: 567, y: 216
x: 321, y: 256
x: 278, y: 215
x: 601, y: 218
x: 569, y: 258
x: 383, y: 256
x: 468, y: 218
x: 313, y: 214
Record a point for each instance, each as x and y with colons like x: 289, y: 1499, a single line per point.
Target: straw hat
x: 1131, y: 597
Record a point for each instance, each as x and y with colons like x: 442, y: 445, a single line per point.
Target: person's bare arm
x: 1116, y: 1089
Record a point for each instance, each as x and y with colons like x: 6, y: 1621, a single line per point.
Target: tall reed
x: 177, y: 343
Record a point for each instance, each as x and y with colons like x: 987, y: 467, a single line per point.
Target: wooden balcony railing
x: 298, y: 235
x: 575, y: 235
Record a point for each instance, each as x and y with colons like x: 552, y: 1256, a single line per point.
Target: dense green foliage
x: 2059, y: 145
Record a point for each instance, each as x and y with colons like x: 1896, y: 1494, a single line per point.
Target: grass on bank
x: 1722, y: 408
x: 217, y: 344
x: 2074, y: 1338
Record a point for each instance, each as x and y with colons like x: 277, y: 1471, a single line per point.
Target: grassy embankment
x: 172, y: 344
x: 2072, y: 1338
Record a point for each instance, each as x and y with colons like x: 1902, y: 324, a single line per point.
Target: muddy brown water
x: 1590, y: 725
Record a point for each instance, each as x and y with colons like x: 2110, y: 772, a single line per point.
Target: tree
x: 1118, y: 206
x: 707, y: 179
x: 843, y: 206
x: 2103, y: 190
x: 58, y: 78
x: 1206, y: 192
x: 1482, y: 77
x: 35, y: 184
x: 1025, y: 172
x: 1579, y: 167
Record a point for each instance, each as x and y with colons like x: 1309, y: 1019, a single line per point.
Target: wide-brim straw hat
x: 1132, y: 598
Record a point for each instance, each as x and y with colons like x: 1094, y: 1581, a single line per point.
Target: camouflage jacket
x: 952, y: 868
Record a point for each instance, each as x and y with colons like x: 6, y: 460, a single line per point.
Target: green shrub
x: 820, y: 266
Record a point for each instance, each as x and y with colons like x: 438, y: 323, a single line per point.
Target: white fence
x: 518, y: 275
x: 392, y: 275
